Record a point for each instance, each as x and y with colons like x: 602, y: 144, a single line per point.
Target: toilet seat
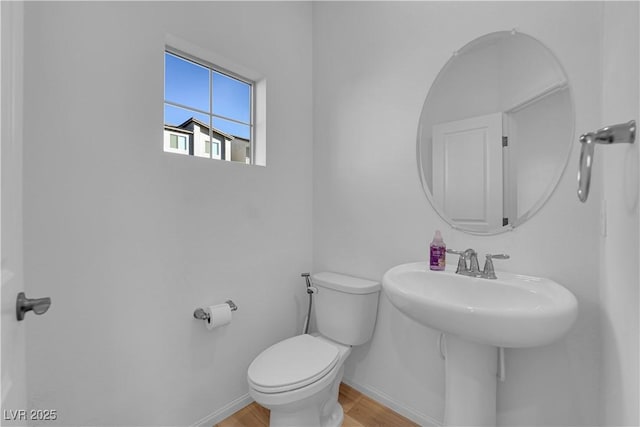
x: 292, y: 364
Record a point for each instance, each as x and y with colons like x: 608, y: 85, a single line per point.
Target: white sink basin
x: 511, y: 311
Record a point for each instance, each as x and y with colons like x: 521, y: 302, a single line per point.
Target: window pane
x: 231, y: 98
x: 175, y: 116
x: 182, y: 143
x: 186, y: 83
x: 232, y: 128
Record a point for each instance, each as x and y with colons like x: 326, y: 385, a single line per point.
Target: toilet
x: 298, y: 378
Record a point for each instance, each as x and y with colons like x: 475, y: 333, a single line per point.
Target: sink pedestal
x: 470, y: 383
x: 512, y: 311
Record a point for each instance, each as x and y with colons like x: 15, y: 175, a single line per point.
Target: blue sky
x: 187, y: 83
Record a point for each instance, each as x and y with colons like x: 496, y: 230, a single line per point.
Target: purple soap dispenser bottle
x: 437, y: 252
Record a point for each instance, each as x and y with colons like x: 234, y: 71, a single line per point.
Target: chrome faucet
x: 472, y: 256
x: 468, y: 254
x: 473, y: 269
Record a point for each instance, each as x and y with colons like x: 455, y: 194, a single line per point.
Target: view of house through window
x: 207, y: 111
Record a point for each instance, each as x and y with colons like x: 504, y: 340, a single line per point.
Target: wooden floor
x: 359, y: 411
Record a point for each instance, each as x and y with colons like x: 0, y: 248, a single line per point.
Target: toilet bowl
x: 298, y: 379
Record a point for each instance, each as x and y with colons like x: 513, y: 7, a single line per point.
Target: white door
x: 467, y: 171
x: 12, y: 360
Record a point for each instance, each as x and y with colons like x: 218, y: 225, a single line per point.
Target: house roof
x: 177, y: 129
x: 201, y: 124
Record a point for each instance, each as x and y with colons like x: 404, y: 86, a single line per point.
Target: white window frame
x: 219, y: 63
x: 213, y: 142
x: 167, y: 142
x: 178, y: 137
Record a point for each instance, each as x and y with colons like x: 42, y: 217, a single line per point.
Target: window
x: 178, y: 142
x: 211, y: 106
x: 216, y: 148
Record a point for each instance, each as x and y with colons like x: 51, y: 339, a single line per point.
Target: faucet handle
x: 462, y: 261
x: 455, y: 252
x: 489, y: 271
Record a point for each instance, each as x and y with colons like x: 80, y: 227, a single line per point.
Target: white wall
x: 373, y: 66
x: 128, y: 240
x: 619, y: 276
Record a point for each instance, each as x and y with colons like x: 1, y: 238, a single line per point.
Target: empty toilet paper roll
x: 219, y: 315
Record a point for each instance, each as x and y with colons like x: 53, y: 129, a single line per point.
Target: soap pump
x: 437, y: 252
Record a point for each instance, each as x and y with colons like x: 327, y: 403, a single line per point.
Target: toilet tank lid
x: 344, y: 283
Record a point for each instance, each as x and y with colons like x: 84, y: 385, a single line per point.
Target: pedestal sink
x: 478, y: 316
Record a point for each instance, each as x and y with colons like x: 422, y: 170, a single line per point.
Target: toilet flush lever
x: 37, y: 305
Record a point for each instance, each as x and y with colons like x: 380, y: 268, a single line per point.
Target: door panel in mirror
x: 467, y: 171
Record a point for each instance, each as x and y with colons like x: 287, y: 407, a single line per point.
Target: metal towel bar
x: 623, y: 132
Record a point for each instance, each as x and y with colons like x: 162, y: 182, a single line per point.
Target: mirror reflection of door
x: 467, y: 171
x: 515, y: 75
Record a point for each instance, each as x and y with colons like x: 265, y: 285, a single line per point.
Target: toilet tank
x: 345, y: 307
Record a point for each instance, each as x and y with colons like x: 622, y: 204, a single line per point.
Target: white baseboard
x: 224, y: 412
x: 379, y: 396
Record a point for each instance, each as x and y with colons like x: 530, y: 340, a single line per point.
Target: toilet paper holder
x: 199, y: 313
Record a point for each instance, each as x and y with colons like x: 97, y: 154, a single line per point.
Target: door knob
x: 24, y: 304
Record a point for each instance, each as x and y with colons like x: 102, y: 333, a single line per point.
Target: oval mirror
x: 495, y: 133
